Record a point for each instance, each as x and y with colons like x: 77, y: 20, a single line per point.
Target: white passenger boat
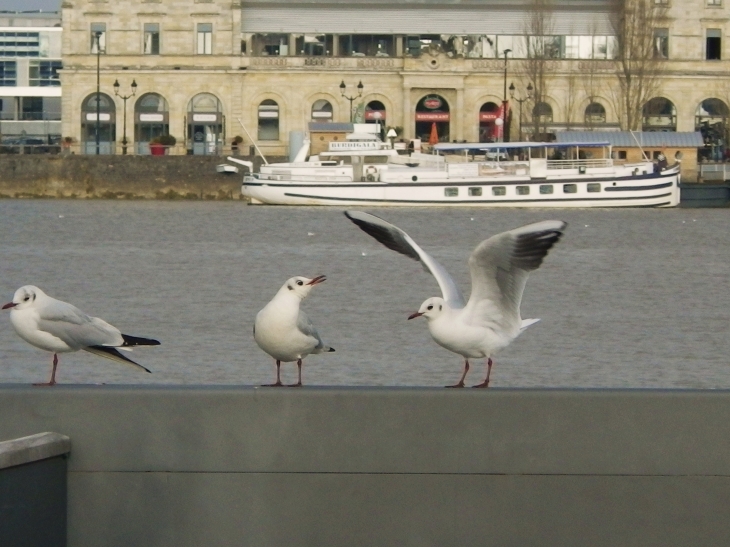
x: 519, y: 174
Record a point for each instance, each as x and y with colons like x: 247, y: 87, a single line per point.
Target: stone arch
x: 98, y: 124
x: 659, y: 114
x: 151, y: 120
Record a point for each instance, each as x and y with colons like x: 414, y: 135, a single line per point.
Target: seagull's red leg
x: 485, y: 383
x: 299, y: 367
x: 52, y: 382
x: 466, y: 369
x: 278, y: 376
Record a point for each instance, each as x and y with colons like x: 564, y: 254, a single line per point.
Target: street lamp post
x: 520, y: 101
x: 504, y: 96
x: 97, y: 36
x: 124, y: 123
x: 359, y: 94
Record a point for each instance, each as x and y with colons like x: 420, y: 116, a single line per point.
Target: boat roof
x: 680, y: 139
x: 451, y: 146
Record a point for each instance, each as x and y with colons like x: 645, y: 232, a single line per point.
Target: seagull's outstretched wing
x: 396, y: 239
x: 499, y: 268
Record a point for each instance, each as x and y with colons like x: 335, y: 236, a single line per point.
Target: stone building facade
x: 201, y: 66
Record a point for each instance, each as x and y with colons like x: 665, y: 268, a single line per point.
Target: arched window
x: 595, y: 114
x: 433, y: 119
x: 711, y: 119
x: 375, y: 112
x: 98, y: 134
x: 205, y: 125
x: 659, y: 114
x: 151, y: 120
x: 489, y: 113
x: 543, y: 113
x: 321, y: 111
x: 268, y: 120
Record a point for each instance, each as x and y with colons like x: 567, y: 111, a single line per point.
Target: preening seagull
x: 284, y: 331
x: 499, y: 267
x: 59, y: 327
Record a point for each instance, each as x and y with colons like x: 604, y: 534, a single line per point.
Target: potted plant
x: 159, y: 145
x: 235, y: 144
x: 66, y: 144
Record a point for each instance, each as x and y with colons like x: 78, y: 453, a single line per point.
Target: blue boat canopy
x: 454, y: 146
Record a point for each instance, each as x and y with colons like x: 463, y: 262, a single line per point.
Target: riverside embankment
x: 123, y: 177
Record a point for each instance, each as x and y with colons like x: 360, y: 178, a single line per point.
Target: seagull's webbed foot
x: 485, y: 383
x: 52, y: 381
x: 299, y: 368
x: 461, y: 381
x: 278, y: 377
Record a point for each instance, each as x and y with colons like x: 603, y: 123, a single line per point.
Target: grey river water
x: 628, y: 298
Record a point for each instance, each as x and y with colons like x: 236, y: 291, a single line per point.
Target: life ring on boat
x: 371, y: 174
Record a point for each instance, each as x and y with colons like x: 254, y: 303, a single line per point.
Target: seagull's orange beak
x: 318, y: 279
x: 9, y: 305
x: 414, y: 315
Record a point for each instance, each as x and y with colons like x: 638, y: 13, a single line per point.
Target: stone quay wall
x: 121, y: 177
x: 187, y: 466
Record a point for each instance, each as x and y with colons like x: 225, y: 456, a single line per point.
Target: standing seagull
x: 284, y: 331
x: 499, y: 267
x: 59, y: 327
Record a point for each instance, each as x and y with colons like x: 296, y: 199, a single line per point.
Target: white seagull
x: 284, y: 331
x: 59, y: 327
x: 499, y: 267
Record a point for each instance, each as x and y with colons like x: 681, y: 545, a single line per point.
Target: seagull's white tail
x: 527, y: 322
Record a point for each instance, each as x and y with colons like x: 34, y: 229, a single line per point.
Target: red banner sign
x: 432, y: 116
x: 489, y: 116
x: 375, y: 114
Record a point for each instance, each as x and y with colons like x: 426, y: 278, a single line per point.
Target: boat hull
x: 650, y: 190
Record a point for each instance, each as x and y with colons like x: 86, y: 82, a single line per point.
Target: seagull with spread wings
x: 499, y: 268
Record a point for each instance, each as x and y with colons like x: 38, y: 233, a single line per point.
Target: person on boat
x: 661, y: 163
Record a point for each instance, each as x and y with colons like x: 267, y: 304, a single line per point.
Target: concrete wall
x: 33, y: 491
x: 190, y: 466
x: 78, y: 176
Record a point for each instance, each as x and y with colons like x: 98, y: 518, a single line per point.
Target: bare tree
x: 571, y: 81
x: 638, y: 57
x: 540, y: 48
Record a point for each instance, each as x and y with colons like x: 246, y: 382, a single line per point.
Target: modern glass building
x: 30, y: 87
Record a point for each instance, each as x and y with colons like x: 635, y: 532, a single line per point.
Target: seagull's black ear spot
x: 290, y: 287
x: 440, y: 307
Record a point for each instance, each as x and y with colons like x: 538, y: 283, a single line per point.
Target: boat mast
x: 253, y: 141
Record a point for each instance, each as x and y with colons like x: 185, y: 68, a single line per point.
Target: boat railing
x: 577, y: 164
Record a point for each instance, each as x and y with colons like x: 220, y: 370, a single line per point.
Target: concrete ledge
x: 33, y: 448
x: 183, y: 466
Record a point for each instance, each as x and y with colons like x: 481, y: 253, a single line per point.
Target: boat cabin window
x: 499, y: 190
x: 523, y: 190
x: 344, y: 160
x: 570, y: 188
x: 451, y: 192
x: 475, y: 191
x: 376, y: 159
x: 546, y: 188
x: 594, y: 187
